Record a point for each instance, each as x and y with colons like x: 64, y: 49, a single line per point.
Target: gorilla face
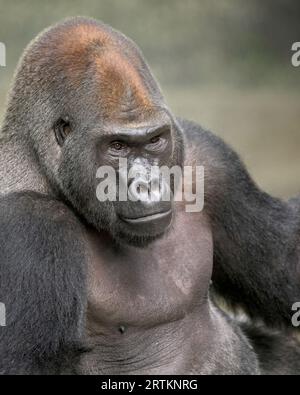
x: 142, y: 217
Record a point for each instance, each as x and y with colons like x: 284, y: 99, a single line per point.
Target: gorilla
x: 124, y: 287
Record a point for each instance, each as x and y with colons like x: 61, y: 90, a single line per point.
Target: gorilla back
x: 121, y: 286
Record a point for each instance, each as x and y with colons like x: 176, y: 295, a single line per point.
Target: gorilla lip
x: 149, y: 218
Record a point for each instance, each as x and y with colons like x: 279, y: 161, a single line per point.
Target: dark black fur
x: 42, y: 284
x: 256, y: 236
x: 278, y: 354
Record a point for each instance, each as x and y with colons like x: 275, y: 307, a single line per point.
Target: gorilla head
x: 85, y: 98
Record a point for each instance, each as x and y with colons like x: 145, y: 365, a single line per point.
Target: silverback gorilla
x: 120, y: 287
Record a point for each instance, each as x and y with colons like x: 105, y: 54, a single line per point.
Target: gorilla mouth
x: 144, y: 229
x: 158, y: 217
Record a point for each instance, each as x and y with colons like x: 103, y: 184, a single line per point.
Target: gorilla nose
x: 146, y: 192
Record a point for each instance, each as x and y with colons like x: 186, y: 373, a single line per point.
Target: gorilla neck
x: 142, y: 302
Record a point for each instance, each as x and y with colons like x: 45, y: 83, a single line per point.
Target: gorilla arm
x: 256, y: 237
x: 42, y: 283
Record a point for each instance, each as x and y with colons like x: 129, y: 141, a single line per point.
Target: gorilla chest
x: 144, y: 287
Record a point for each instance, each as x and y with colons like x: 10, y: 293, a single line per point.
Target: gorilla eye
x: 62, y: 129
x: 117, y: 145
x: 155, y: 140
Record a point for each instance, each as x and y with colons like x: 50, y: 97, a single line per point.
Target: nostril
x: 155, y: 190
x: 143, y: 188
x: 139, y: 191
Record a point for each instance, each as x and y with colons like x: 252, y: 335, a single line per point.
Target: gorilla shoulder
x: 42, y: 257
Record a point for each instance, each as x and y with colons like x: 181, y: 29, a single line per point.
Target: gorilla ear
x: 62, y: 129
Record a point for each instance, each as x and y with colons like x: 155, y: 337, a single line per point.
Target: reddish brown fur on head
x: 122, y: 87
x: 83, y: 48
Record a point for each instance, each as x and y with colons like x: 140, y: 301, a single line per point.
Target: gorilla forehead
x: 93, y: 56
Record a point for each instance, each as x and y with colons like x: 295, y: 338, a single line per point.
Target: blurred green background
x: 223, y: 63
